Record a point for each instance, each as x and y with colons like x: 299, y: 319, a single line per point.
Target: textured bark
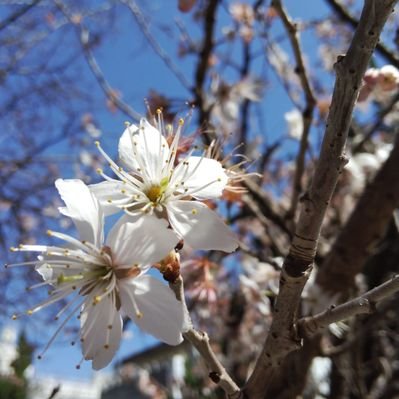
x: 282, y: 337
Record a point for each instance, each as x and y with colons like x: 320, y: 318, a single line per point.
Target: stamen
x: 139, y: 314
x: 40, y: 356
x: 80, y: 363
x: 32, y: 287
x: 195, y: 189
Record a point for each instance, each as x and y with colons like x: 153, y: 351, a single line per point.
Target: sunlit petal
x: 160, y: 313
x: 200, y: 227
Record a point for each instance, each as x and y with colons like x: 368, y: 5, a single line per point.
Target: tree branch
x: 83, y: 34
x: 365, y: 227
x: 17, y: 14
x: 141, y: 21
x: 282, y: 338
x: 347, y: 17
x: 200, y: 341
x: 309, y: 326
x: 307, y: 114
x: 203, y: 63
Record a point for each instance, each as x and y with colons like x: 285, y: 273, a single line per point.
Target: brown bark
x: 364, y: 229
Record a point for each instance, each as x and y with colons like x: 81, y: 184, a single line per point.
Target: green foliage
x: 15, y: 386
x: 24, y: 358
x: 12, y: 388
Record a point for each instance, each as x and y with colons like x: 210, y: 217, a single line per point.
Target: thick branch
x: 365, y: 227
x: 350, y: 69
x: 309, y: 326
x: 344, y: 14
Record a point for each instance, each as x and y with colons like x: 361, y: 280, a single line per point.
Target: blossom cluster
x: 161, y: 193
x: 379, y: 84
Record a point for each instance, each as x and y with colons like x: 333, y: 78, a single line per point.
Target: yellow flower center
x: 153, y: 193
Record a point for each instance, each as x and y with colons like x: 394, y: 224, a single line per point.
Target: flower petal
x: 83, y: 208
x: 205, y: 178
x: 144, y: 150
x: 108, y: 191
x: 144, y: 240
x: 102, y: 332
x: 200, y: 227
x: 162, y: 315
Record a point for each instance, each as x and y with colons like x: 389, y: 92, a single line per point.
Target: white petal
x: 106, y: 191
x: 144, y: 240
x: 162, y: 314
x: 83, y: 208
x: 200, y: 227
x: 204, y: 177
x: 125, y: 149
x: 102, y: 329
x: 144, y: 150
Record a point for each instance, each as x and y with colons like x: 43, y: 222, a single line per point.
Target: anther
x: 97, y: 143
x: 14, y: 317
x: 139, y: 315
x: 194, y: 211
x: 29, y: 312
x: 96, y: 299
x: 49, y: 232
x: 99, y: 171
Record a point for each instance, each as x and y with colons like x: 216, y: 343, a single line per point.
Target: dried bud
x: 170, y: 267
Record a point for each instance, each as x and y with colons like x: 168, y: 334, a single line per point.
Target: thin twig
x: 141, y: 21
x: 106, y: 87
x: 345, y: 15
x: 307, y: 114
x: 95, y: 68
x: 309, y: 326
x: 17, y: 14
x: 376, y: 125
x: 265, y: 206
x: 203, y: 64
x: 200, y: 341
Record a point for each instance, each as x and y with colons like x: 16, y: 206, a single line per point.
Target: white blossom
x: 294, y: 121
x: 157, y: 183
x: 225, y: 99
x: 107, y: 279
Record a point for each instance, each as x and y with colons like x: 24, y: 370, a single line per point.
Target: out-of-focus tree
x: 315, y: 210
x: 15, y: 385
